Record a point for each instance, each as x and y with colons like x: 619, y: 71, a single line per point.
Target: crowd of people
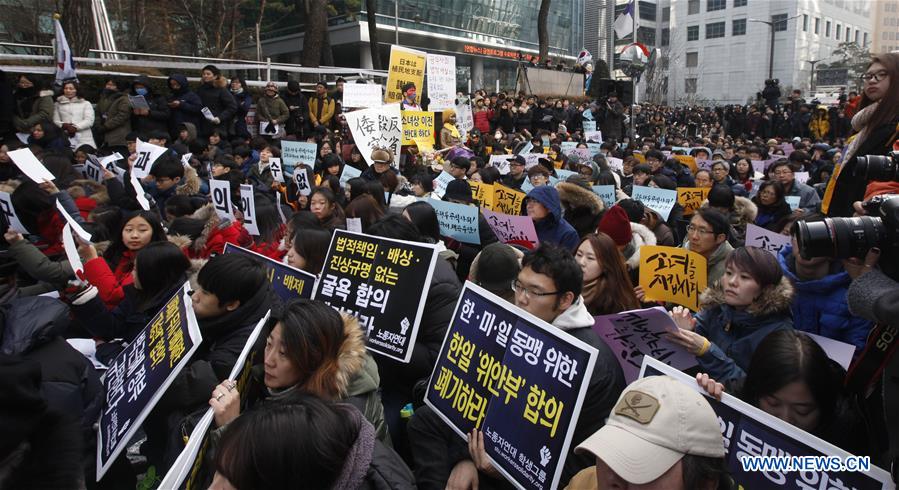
x: 318, y: 407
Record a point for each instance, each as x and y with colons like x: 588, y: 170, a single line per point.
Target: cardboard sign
x: 382, y: 282
x: 348, y: 173
x: 220, y: 191
x: 248, y: 201
x: 756, y: 236
x: 691, y: 198
x: 147, y: 154
x: 380, y: 127
x: 482, y: 193
x: 418, y: 125
x: 301, y: 179
x: 361, y: 95
x: 501, y: 162
x: 606, y: 193
x: 516, y: 230
x: 672, y: 274
x: 31, y: 166
x: 294, y: 153
x: 406, y: 66
x: 507, y: 200
x: 139, y: 193
x: 9, y: 214
x: 637, y: 333
x: 139, y: 376
x: 659, y: 200
x: 457, y: 221
x: 287, y: 282
x: 748, y: 431
x: 793, y: 201
x: 277, y: 168
x: 516, y: 378
x: 441, y: 82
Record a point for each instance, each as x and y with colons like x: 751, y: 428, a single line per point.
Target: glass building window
x: 712, y: 5
x: 714, y: 30
x: 692, y: 60
x: 666, y: 37
x: 692, y: 7
x: 827, y: 29
x: 780, y: 22
x: 838, y: 31
x: 805, y: 22
x: 693, y: 33
x: 646, y: 35
x: 738, y: 28
x: 817, y: 25
x: 740, y: 3
x: 690, y: 85
x: 666, y: 14
x: 647, y: 11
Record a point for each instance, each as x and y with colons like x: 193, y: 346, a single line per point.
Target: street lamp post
x: 396, y: 21
x: 771, y: 25
x: 812, y: 82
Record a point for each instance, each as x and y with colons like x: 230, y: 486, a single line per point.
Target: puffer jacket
x: 553, y: 229
x: 820, y: 306
x: 158, y: 118
x: 582, y: 207
x: 735, y: 334
x: 188, y: 110
x: 33, y: 110
x: 272, y: 109
x: 114, y: 118
x: 78, y: 112
x: 214, y: 236
x: 110, y: 283
x: 217, y: 98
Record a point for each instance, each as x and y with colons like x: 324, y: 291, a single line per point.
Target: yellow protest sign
x: 418, y: 125
x: 406, y: 66
x: 425, y: 144
x: 691, y: 198
x: 506, y: 200
x: 688, y: 161
x: 483, y: 193
x: 673, y: 274
x: 640, y: 158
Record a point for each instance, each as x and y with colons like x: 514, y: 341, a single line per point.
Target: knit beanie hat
x: 616, y: 224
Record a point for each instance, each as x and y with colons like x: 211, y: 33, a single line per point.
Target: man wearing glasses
x: 515, y: 178
x: 782, y: 171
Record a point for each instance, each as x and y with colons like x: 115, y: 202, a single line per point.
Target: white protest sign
x: 220, y: 190
x: 380, y: 127
x: 589, y: 126
x: 501, y: 163
x: 532, y: 159
x: 185, y: 159
x: 276, y: 168
x: 362, y: 95
x: 31, y: 166
x: 110, y: 160
x: 354, y: 224
x: 146, y: 154
x: 68, y: 242
x: 595, y: 136
x: 207, y: 114
x: 440, y: 183
x: 249, y: 209
x: 441, y: 82
x: 659, y: 200
x: 296, y: 152
x: 139, y: 193
x: 801, y: 177
x: 616, y: 163
x: 9, y: 214
x: 93, y: 169
x: 280, y: 210
x: 756, y: 236
x: 301, y: 179
x: 348, y: 173
x: 841, y: 352
x: 76, y: 227
x: 23, y: 137
x: 793, y: 201
x: 464, y: 119
x: 138, y: 102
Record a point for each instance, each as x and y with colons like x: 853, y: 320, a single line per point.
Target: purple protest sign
x: 633, y: 334
x: 510, y: 229
x: 759, y: 165
x: 756, y: 236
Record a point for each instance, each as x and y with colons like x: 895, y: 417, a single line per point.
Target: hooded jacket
x: 735, y: 334
x: 158, y: 118
x: 641, y: 235
x: 582, y: 207
x: 78, y: 112
x: 188, y: 110
x: 217, y: 98
x: 553, y: 228
x: 370, y: 465
x: 216, y: 233
x: 32, y: 110
x: 114, y: 118
x: 820, y: 306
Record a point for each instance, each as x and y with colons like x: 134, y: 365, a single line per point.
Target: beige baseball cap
x: 656, y: 421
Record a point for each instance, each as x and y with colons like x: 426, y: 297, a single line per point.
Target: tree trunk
x: 371, y: 7
x: 316, y: 25
x: 327, y: 53
x: 542, y: 33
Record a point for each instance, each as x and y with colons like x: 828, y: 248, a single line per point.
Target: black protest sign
x: 516, y: 378
x: 382, y: 282
x: 288, y: 282
x: 139, y: 376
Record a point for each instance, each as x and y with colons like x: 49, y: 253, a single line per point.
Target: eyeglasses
x: 783, y: 172
x: 875, y: 77
x: 701, y: 231
x: 519, y: 288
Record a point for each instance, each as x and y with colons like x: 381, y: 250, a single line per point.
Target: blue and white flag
x: 624, y: 24
x: 65, y: 63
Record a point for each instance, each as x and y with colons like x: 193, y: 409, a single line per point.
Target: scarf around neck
x: 860, y: 124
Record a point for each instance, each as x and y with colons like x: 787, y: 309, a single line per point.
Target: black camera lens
x: 839, y: 238
x: 876, y: 167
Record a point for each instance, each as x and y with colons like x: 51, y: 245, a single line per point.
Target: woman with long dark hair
x: 607, y: 285
x: 309, y: 250
x: 323, y: 204
x: 773, y: 210
x: 271, y: 231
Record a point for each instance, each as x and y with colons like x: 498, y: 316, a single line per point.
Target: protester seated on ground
x: 310, y: 349
x: 495, y: 268
x: 232, y: 294
x: 160, y: 268
x: 752, y: 300
x: 581, y: 206
x: 204, y: 233
x: 545, y: 209
x: 783, y: 172
x: 642, y: 174
x: 549, y: 287
x: 791, y: 378
x: 309, y: 440
x: 607, y: 286
x: 111, y: 273
x: 707, y: 235
x: 773, y: 209
x: 309, y: 250
x: 629, y: 235
x: 271, y: 230
x: 819, y: 304
x: 740, y: 211
x: 662, y: 434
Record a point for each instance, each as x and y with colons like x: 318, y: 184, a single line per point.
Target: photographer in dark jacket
x: 298, y: 105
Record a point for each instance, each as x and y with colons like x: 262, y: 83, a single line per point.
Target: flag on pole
x: 624, y: 24
x: 65, y: 63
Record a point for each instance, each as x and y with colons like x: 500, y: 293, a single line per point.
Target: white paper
x: 23, y: 137
x: 139, y: 193
x: 277, y: 169
x: 93, y: 169
x: 111, y: 159
x: 354, y: 224
x: 280, y: 210
x: 88, y: 347
x: 138, y: 102
x: 441, y: 71
x: 11, y: 217
x: 249, y: 209
x: 841, y: 352
x: 362, y: 95
x: 464, y: 119
x: 501, y: 162
x: 220, y: 190
x: 207, y: 114
x: 68, y: 242
x: 31, y: 166
x: 377, y: 127
x: 146, y: 155
x: 185, y: 159
x: 301, y: 179
x: 594, y: 136
x: 793, y: 201
x: 76, y: 227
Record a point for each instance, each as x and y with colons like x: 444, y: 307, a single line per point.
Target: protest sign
x: 639, y: 156
x: 567, y: 146
x: 190, y: 462
x: 140, y: 374
x: 793, y: 201
x: 589, y: 126
x: 526, y: 185
x: 582, y: 153
x: 139, y: 192
x: 441, y: 81
x: 457, y: 221
x: 361, y: 95
x: 672, y: 274
x: 691, y: 198
x: 532, y: 159
x: 406, y: 66
x: 277, y: 169
x: 516, y: 230
x: 801, y: 177
x: 147, y: 154
x: 440, y: 183
x: 636, y: 333
x: 616, y: 164
x: 787, y: 148
x: 138, y: 102
x: 759, y: 165
x: 380, y: 127
x: 248, y: 201
x: 525, y: 149
x: 354, y: 224
x: 185, y: 159
x: 593, y: 136
x: 659, y: 200
x: 76, y: 227
x: 482, y: 193
x: 606, y: 193
x: 507, y: 200
x: 93, y: 170
x: 297, y: 152
x: 516, y: 378
x: 68, y: 243
x: 220, y: 191
x: 378, y: 281
x: 302, y: 180
x: 564, y: 174
x: 750, y: 432
x: 501, y: 163
x: 841, y: 352
x: 704, y: 164
x: 464, y: 119
x: 348, y: 173
x: 418, y: 125
x: 688, y: 161
x: 287, y: 282
x: 30, y: 165
x: 594, y: 148
x: 425, y: 145
x: 756, y: 236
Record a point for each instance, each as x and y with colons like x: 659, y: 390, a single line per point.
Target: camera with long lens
x: 878, y: 167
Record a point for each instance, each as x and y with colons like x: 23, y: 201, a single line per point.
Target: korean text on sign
x: 673, y: 274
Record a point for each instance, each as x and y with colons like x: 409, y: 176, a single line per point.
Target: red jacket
x: 50, y: 224
x: 482, y: 121
x: 110, y: 284
x: 215, y: 244
x: 272, y: 249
